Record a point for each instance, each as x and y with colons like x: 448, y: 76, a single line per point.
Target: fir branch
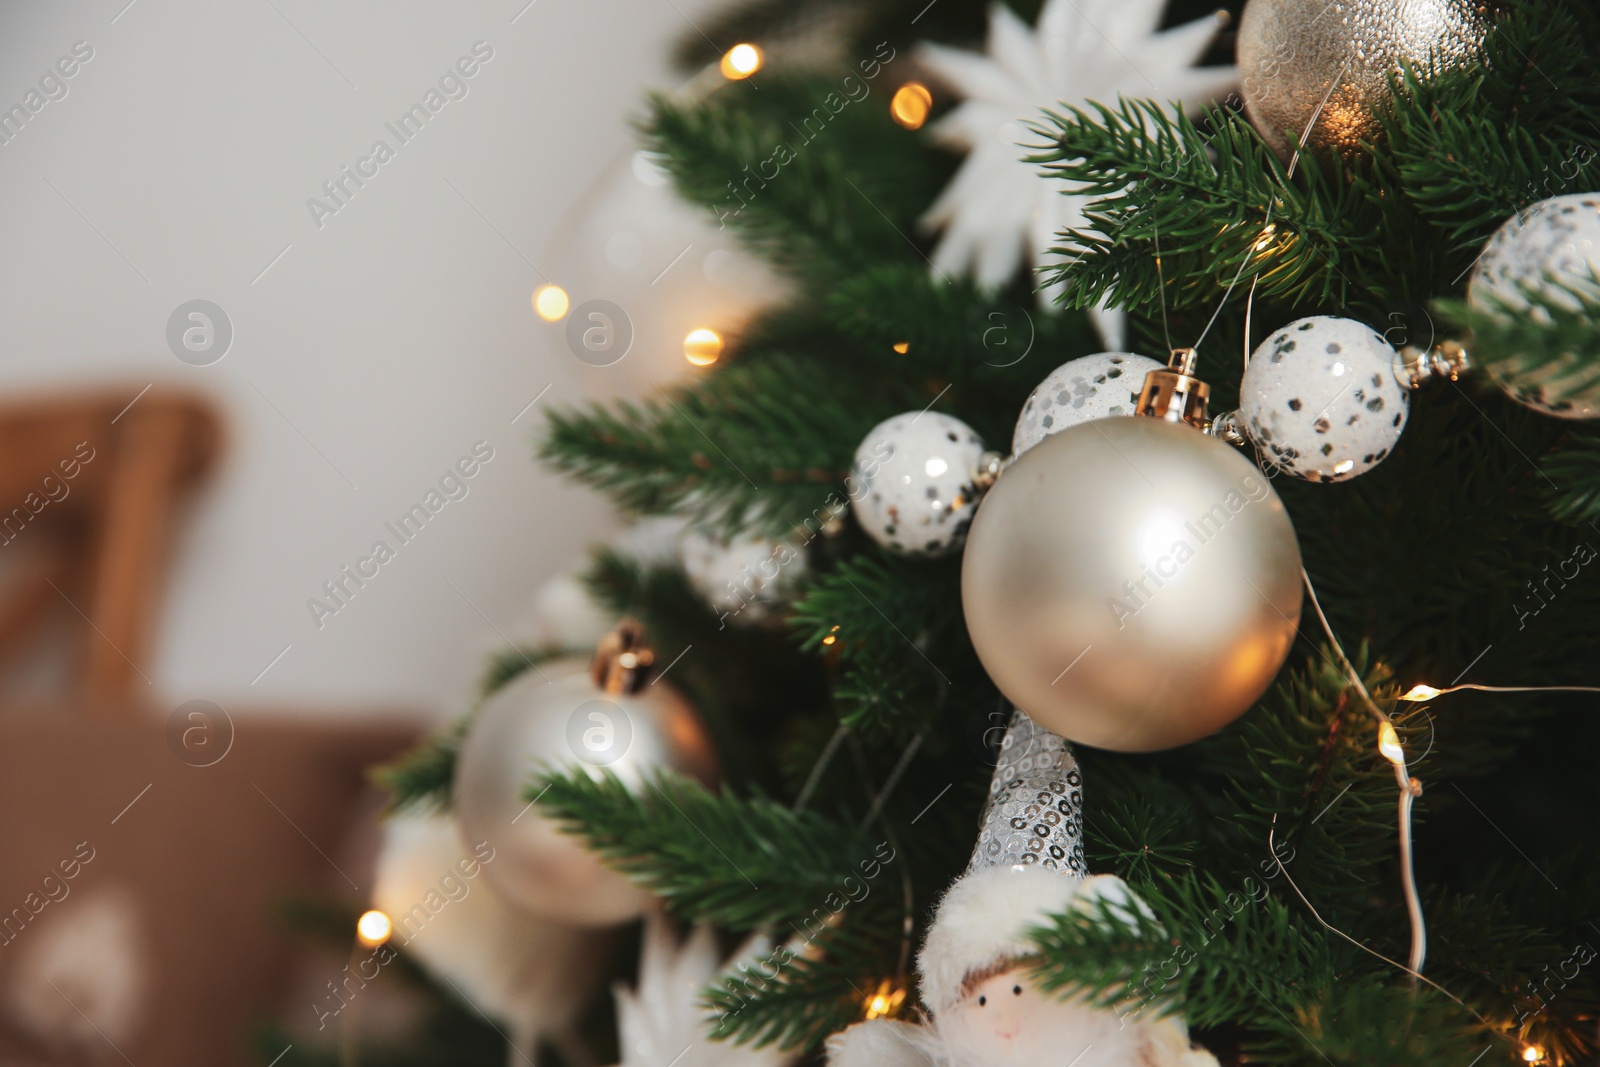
x: 1208, y: 199
x: 1213, y: 953
x: 761, y: 445
x: 713, y: 857
x: 1475, y: 144
x: 1574, y: 475
x: 507, y: 664
x: 819, y: 180
x: 899, y: 643
x: 422, y: 779
x: 799, y: 994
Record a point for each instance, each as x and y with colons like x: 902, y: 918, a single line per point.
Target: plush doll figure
x: 982, y: 1008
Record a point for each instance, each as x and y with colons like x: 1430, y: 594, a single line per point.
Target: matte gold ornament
x: 557, y: 717
x: 1132, y: 584
x: 1292, y: 51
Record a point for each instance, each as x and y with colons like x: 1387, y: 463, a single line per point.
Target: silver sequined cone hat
x: 1027, y: 866
x: 1035, y: 808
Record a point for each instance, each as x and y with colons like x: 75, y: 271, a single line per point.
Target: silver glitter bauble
x: 1320, y: 399
x: 1035, y: 809
x: 1292, y: 51
x: 1132, y: 584
x: 1100, y: 386
x: 1559, y: 238
x: 912, y: 486
x: 554, y: 717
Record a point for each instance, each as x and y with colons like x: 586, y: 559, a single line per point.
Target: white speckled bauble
x: 554, y: 717
x: 1292, y: 51
x: 1132, y: 584
x: 743, y: 577
x: 1320, y: 399
x: 1557, y: 237
x: 912, y: 486
x: 1089, y: 387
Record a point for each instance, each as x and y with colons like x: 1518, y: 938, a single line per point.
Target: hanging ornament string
x: 1161, y: 288
x: 1266, y: 226
x: 1410, y: 788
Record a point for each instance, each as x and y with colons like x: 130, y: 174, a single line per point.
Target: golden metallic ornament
x: 1132, y: 583
x: 1293, y: 52
x: 555, y: 717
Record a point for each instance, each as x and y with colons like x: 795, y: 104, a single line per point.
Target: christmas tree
x: 1328, y: 855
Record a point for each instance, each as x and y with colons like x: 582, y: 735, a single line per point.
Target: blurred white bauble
x: 531, y: 975
x: 743, y: 577
x: 553, y: 717
x: 565, y: 615
x: 1556, y: 240
x: 633, y: 243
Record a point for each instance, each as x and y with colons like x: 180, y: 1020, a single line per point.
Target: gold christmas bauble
x: 1292, y: 51
x: 1132, y: 584
x: 557, y: 718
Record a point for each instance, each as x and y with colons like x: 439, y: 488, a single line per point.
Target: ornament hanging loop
x: 1173, y: 393
x: 1447, y: 360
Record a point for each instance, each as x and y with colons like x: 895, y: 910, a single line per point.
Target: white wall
x: 374, y: 352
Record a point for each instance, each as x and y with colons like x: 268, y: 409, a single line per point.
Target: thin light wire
x: 1312, y: 908
x: 1409, y: 788
x: 1294, y: 161
x: 1517, y: 689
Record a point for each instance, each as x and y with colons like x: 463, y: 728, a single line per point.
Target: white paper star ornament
x: 998, y: 211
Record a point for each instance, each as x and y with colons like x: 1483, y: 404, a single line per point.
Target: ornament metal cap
x: 1447, y: 359
x: 622, y: 660
x: 1034, y: 815
x: 1173, y: 393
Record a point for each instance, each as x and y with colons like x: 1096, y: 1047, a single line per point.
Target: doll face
x: 996, y: 1009
x: 1005, y: 1021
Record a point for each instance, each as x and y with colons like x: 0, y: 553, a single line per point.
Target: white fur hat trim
x: 984, y: 918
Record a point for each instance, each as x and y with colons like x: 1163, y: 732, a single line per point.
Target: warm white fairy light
x: 702, y: 347
x: 551, y: 302
x: 373, y: 928
x: 1410, y: 788
x: 740, y: 61
x: 1389, y: 744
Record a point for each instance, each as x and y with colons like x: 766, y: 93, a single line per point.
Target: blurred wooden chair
x: 89, y: 483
